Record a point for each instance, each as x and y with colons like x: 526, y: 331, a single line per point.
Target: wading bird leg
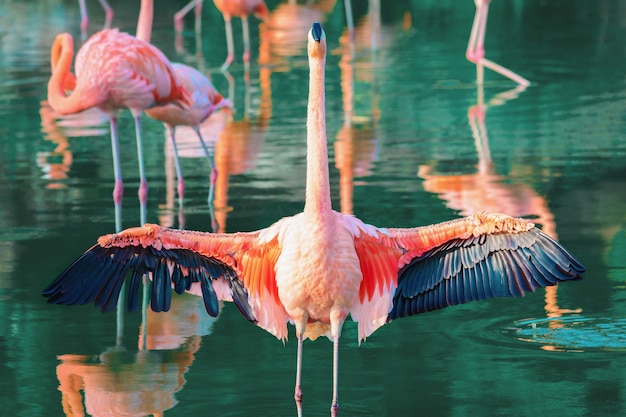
x: 229, y: 43
x: 298, y: 391
x: 118, y: 189
x: 142, y: 192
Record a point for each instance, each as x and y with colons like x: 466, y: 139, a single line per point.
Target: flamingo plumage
x: 475, y: 47
x: 114, y: 71
x: 317, y: 267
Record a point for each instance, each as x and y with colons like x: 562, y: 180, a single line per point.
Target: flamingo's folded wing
x: 476, y: 258
x: 175, y: 258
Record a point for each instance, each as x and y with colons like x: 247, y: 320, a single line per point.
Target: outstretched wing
x: 177, y: 260
x: 475, y: 258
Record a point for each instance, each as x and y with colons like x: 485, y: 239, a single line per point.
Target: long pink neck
x: 317, y: 177
x: 63, y: 52
x: 144, y: 23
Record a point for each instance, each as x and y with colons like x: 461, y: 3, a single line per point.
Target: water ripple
x: 572, y: 333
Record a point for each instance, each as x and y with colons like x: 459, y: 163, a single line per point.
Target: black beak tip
x: 316, y: 32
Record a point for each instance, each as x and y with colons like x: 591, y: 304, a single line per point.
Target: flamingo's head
x: 317, y: 41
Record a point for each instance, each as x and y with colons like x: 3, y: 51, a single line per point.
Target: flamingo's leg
x: 229, y: 43
x: 118, y: 189
x: 475, y: 48
x: 142, y: 192
x: 84, y: 19
x: 334, y: 408
x: 246, y: 42
x: 179, y: 15
x: 211, y: 159
x: 179, y: 171
x: 298, y: 390
x: 108, y: 11
x: 198, y: 12
x: 350, y: 23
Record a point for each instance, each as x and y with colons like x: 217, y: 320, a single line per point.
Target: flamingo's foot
x: 143, y: 192
x: 118, y: 192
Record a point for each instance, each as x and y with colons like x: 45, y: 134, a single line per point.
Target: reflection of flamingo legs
x: 112, y: 383
x: 356, y: 145
x: 178, y: 17
x: 486, y: 190
x: 374, y: 13
x: 84, y: 16
x: 475, y: 47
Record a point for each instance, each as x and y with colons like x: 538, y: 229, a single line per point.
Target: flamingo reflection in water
x: 356, y: 147
x: 283, y: 34
x: 374, y: 13
x: 56, y: 164
x: 319, y: 266
x: 476, y: 50
x: 236, y: 143
x: 240, y: 144
x: 490, y: 191
x: 123, y: 383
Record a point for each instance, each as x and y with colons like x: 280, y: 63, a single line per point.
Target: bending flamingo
x: 475, y: 48
x: 319, y: 266
x: 204, y: 100
x: 114, y: 71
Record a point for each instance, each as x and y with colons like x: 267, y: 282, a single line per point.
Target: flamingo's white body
x: 319, y: 266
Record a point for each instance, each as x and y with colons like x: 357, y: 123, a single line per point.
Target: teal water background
x: 416, y: 153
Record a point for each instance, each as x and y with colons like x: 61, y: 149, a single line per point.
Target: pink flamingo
x: 84, y: 16
x: 204, y: 100
x: 114, y: 71
x: 319, y: 266
x: 229, y: 9
x: 475, y: 48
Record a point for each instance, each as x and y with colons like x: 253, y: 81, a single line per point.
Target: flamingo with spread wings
x: 319, y: 266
